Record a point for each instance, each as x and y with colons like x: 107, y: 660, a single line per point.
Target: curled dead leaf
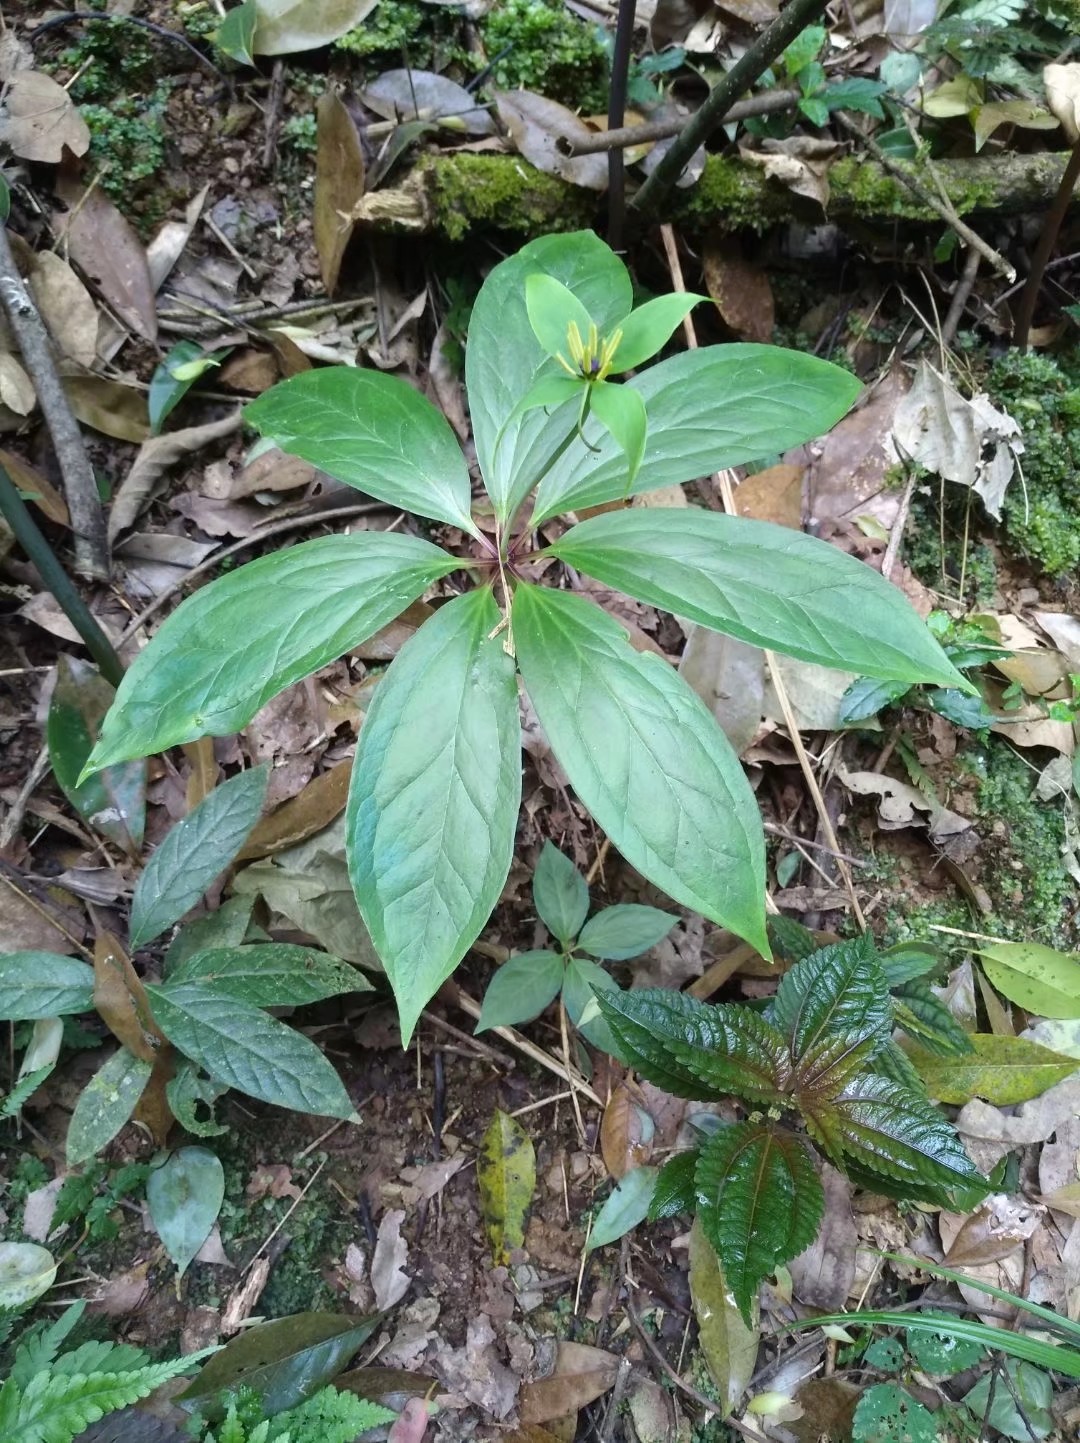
x: 537, y: 125
x: 1063, y: 96
x: 42, y: 119
x: 339, y: 184
x: 156, y: 455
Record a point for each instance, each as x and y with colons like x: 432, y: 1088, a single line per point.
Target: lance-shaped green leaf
x: 759, y: 1203
x: 694, y: 1050
x: 270, y: 974
x: 909, y: 960
x: 43, y: 984
x: 194, y: 853
x: 1003, y: 1070
x: 708, y: 409
x: 521, y: 989
x: 560, y: 894
x: 621, y: 411
x: 503, y: 358
x: 646, y: 757
x: 372, y: 431
x: 924, y: 1017
x: 649, y: 327
x: 675, y: 1192
x: 892, y: 1130
x: 834, y: 1009
x: 105, y: 1104
x: 618, y: 933
x: 434, y: 798
x: 765, y: 584
x: 228, y: 649
x: 249, y: 1050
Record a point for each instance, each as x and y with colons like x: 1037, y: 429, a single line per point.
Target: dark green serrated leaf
x: 560, y: 894
x: 695, y: 1050
x: 675, y: 1193
x: 284, y: 1361
x: 230, y: 647
x: 892, y: 1061
x: 646, y: 758
x: 767, y: 585
x: 892, y: 1130
x: 434, y: 798
x: 759, y: 1202
x: 833, y: 1006
x: 618, y: 933
x: 909, y: 960
x: 195, y: 852
x: 791, y: 939
x: 926, y: 1019
x: 521, y: 989
x: 373, y: 431
x: 943, y: 1354
x: 42, y: 984
x: 886, y: 1413
x: 270, y: 974
x: 246, y: 1049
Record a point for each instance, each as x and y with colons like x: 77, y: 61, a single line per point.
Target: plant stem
x: 621, y: 139
x: 80, y: 488
x: 742, y: 76
x: 1025, y: 312
x: 25, y: 528
x: 620, y: 72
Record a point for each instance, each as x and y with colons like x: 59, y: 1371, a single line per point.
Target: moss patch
x: 482, y: 191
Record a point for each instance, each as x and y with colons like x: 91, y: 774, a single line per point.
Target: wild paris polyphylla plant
x: 436, y: 780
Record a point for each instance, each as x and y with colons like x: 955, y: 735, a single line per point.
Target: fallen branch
x: 80, y: 487
x: 651, y: 130
x: 458, y: 194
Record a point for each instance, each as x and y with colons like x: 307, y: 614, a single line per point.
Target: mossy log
x: 456, y: 194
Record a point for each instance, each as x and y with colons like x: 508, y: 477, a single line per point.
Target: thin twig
x: 273, y: 112
x: 627, y: 136
x: 964, y: 286
x: 1051, y: 226
x: 9, y: 828
x: 528, y: 1049
x: 80, y: 487
x: 54, y: 22
x: 932, y: 202
x: 742, y: 76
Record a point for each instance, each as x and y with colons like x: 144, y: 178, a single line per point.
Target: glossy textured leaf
x: 1003, y: 1070
x: 521, y: 989
x: 372, y: 431
x: 506, y: 1175
x: 42, y: 984
x: 624, y: 1208
x: 759, y: 1203
x: 649, y: 328
x: 113, y: 801
x: 228, y: 649
x: 627, y: 930
x: 184, y: 1196
x: 924, y: 1017
x: 708, y: 409
x: 560, y: 894
x: 246, y: 1049
x: 891, y: 1130
x: 105, y: 1104
x: 674, y: 1193
x: 284, y: 1361
x: 646, y: 757
x: 791, y: 939
x: 909, y: 961
x: 195, y: 852
x: 434, y: 798
x: 1038, y: 979
x: 695, y: 1050
x: 765, y: 584
x: 270, y: 974
x: 728, y: 1345
x: 503, y: 357
x: 621, y: 411
x: 834, y: 1009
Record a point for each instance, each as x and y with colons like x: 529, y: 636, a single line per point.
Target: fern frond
x: 330, y: 1416
x: 57, y: 1407
x: 40, y: 1345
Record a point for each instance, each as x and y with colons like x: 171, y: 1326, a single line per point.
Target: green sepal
x: 552, y: 307
x: 621, y: 412
x: 648, y: 329
x: 759, y: 1201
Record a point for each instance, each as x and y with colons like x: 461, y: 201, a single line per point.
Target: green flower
x: 569, y: 335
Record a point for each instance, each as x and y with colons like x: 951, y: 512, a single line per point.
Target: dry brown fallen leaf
x: 106, y: 249
x: 800, y: 162
x: 537, y: 124
x: 42, y: 119
x: 66, y: 307
x: 582, y: 1374
x: 823, y: 1274
x: 156, y: 455
x: 389, y: 1281
x: 109, y: 407
x: 1063, y: 96
x: 740, y: 289
x: 339, y: 184
x: 36, y: 488
x: 995, y: 1230
x: 729, y: 677
x: 16, y: 388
